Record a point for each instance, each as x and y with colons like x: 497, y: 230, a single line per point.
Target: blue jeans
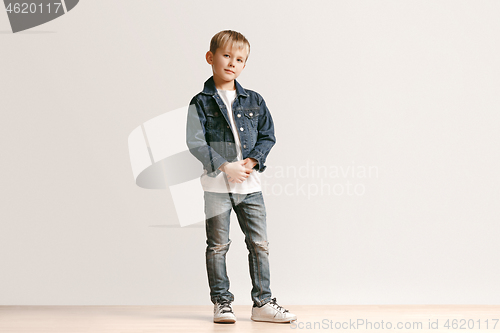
x: 251, y: 213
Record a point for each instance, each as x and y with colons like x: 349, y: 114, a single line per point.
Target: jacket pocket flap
x: 213, y: 112
x: 251, y: 113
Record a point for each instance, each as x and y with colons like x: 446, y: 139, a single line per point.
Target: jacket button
x: 244, y: 146
x: 239, y: 115
x: 227, y: 126
x: 216, y: 113
x: 241, y: 129
x: 251, y: 114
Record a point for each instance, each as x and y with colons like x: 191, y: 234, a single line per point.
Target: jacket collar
x: 209, y: 88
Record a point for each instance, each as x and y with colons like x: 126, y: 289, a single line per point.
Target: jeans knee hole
x: 220, y: 247
x: 264, y: 245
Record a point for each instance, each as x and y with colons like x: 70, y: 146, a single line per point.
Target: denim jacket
x: 208, y: 132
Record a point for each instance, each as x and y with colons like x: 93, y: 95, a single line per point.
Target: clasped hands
x: 238, y: 172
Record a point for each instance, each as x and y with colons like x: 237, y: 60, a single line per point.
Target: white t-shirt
x: 218, y: 184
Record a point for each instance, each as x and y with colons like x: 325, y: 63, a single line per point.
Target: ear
x: 210, y: 57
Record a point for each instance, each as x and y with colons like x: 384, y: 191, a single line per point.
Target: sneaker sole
x: 274, y: 321
x: 225, y: 320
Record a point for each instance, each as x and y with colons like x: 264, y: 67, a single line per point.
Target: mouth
x: 228, y: 71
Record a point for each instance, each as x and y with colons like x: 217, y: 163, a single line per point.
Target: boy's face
x: 227, y: 63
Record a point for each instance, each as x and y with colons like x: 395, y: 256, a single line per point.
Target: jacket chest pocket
x: 252, y: 115
x: 215, y: 120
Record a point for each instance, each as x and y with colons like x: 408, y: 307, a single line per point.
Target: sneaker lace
x: 275, y: 304
x: 225, y: 306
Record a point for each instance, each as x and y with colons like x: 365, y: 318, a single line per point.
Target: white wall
x: 409, y: 88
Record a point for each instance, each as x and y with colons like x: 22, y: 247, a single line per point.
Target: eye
x: 226, y: 55
x: 240, y: 60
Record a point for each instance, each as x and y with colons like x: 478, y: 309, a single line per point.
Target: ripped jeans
x: 251, y: 214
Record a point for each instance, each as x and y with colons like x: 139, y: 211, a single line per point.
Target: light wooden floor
x: 148, y: 319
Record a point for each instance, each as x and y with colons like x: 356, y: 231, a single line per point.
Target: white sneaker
x: 223, y: 313
x: 272, y: 312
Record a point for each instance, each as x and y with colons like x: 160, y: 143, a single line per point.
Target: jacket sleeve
x: 196, y: 142
x: 265, y: 137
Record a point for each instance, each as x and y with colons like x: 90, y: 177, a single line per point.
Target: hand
x: 250, y: 162
x: 237, y: 172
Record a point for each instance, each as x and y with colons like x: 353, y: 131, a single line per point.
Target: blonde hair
x: 237, y: 40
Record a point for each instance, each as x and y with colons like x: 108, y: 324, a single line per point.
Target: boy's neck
x: 224, y: 85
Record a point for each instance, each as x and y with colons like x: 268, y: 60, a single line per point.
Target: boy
x: 230, y: 130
